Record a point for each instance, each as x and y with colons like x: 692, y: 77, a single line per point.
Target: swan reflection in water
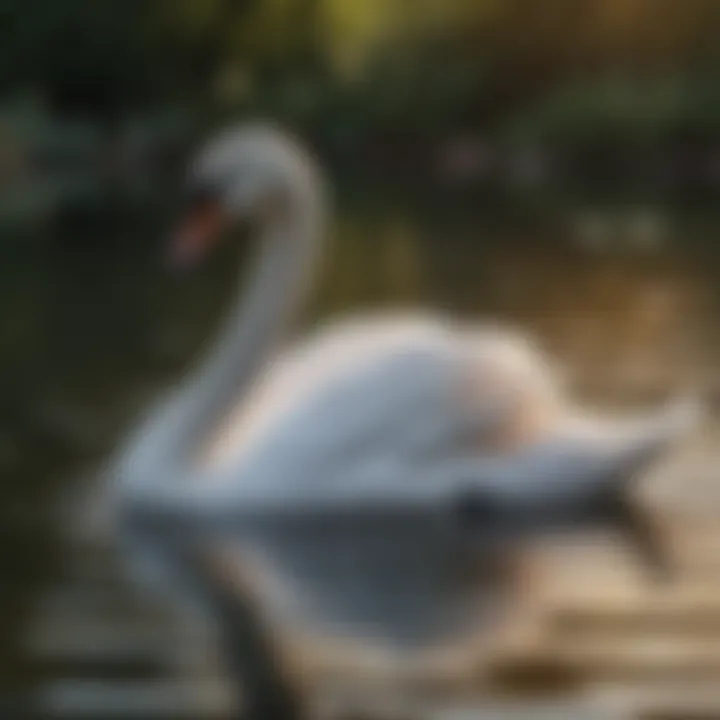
x: 373, y: 469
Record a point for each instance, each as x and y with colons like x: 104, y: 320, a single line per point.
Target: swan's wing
x: 367, y: 433
x: 355, y: 372
x: 330, y: 362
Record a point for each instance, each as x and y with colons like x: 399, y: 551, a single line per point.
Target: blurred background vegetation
x: 619, y: 90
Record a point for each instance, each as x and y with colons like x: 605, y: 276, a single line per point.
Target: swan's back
x: 334, y: 356
x: 418, y: 368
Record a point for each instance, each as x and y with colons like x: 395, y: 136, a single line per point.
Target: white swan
x: 339, y: 463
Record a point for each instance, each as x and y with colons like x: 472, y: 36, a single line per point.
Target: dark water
x: 92, y: 326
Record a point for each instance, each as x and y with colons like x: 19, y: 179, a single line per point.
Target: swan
x: 368, y: 467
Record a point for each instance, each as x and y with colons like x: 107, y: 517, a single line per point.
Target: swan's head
x: 243, y: 173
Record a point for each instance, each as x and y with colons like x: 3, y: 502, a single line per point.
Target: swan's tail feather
x: 647, y: 442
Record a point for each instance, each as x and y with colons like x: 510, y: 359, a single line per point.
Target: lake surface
x: 624, y: 296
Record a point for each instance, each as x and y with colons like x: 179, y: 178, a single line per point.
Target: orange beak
x: 197, y: 235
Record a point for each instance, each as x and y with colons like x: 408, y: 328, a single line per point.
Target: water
x: 92, y: 326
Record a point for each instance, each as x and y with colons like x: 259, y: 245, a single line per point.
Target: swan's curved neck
x: 288, y: 253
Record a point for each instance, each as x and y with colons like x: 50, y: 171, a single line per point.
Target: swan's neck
x: 252, y: 330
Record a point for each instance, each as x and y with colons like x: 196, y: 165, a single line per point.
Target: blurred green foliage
x: 93, y: 90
